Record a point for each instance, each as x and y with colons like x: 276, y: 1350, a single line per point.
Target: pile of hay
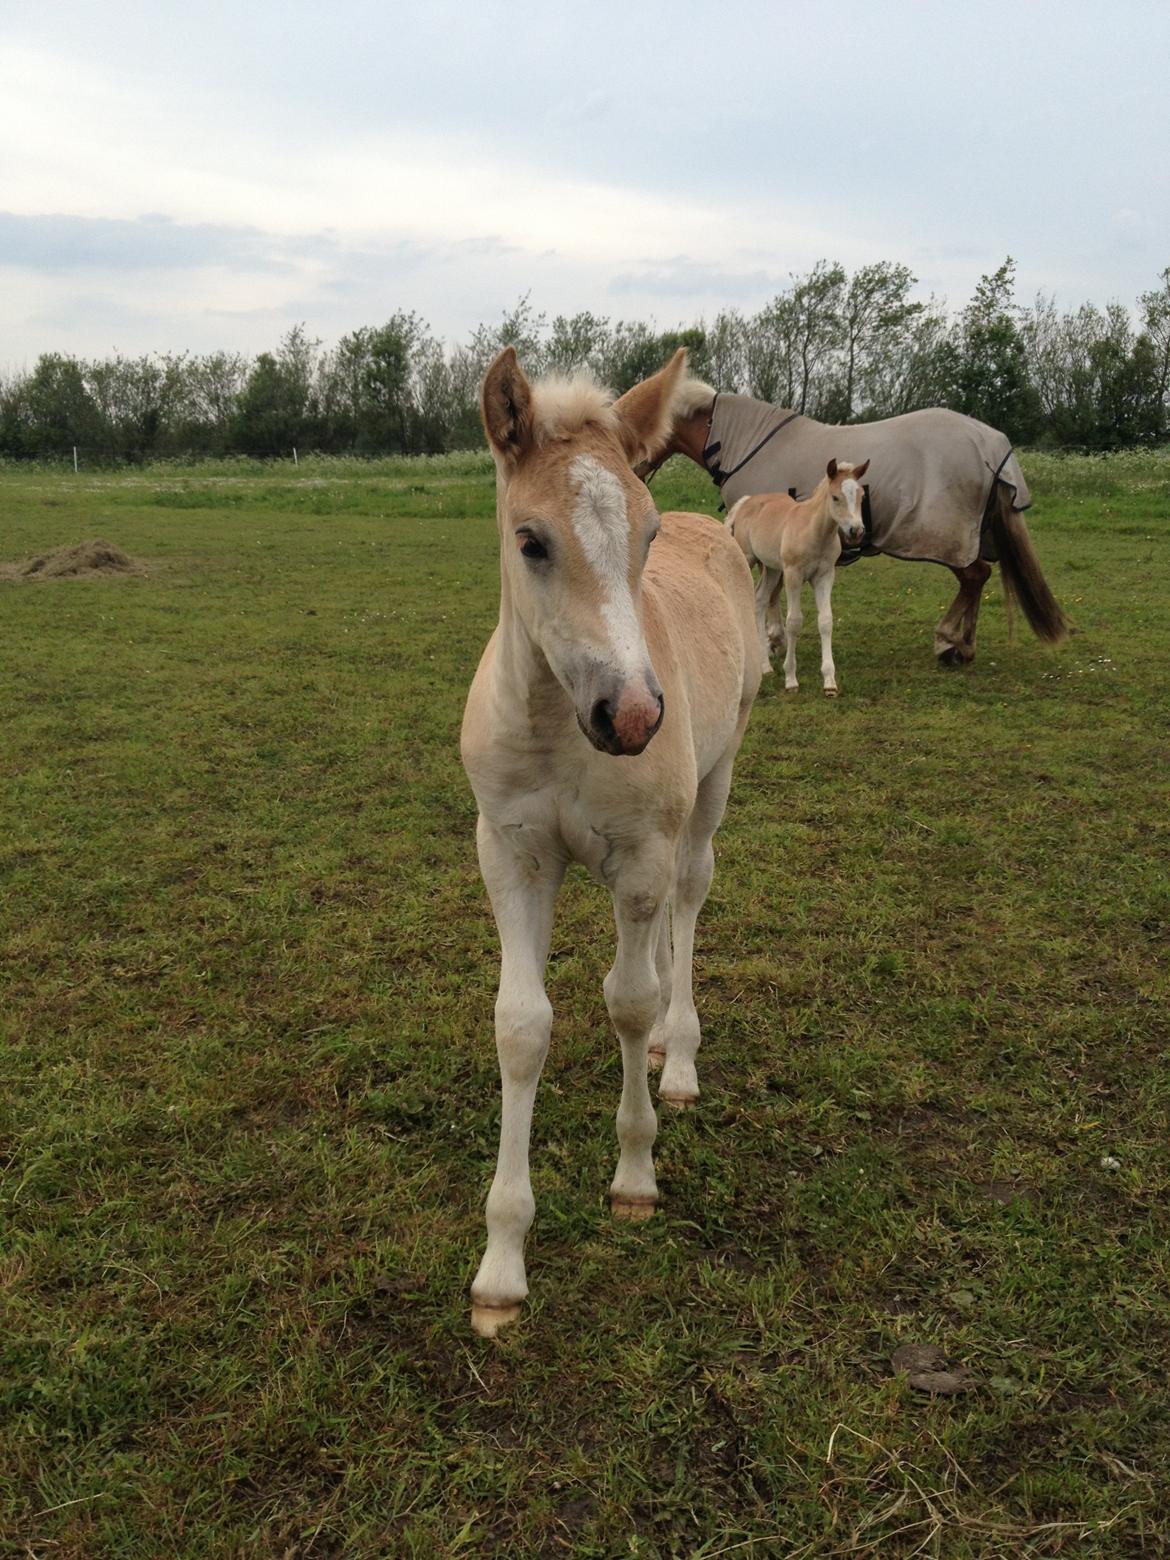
x: 82, y: 561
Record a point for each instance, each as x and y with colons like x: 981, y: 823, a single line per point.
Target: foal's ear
x: 646, y: 414
x: 860, y: 471
x: 831, y: 470
x: 505, y: 404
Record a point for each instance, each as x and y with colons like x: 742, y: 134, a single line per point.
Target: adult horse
x: 601, y: 727
x: 945, y: 489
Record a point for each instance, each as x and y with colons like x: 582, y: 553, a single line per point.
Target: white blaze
x: 601, y: 521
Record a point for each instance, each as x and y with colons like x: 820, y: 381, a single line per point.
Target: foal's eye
x: 530, y: 547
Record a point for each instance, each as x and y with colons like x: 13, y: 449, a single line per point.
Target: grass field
x: 249, y: 1104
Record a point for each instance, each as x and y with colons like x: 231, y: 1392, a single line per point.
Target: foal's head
x: 845, y: 497
x: 575, y: 529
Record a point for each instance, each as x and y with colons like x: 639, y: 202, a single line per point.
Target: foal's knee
x: 632, y: 1001
x: 523, y: 1030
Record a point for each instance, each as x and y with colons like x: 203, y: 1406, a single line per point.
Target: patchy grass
x: 249, y: 1102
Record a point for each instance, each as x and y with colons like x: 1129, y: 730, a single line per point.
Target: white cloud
x: 441, y: 161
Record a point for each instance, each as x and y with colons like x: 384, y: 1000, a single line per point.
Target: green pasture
x: 249, y: 1099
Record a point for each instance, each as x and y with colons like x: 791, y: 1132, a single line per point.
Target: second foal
x: 794, y: 542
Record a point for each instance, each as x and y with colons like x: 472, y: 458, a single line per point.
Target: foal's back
x: 760, y: 523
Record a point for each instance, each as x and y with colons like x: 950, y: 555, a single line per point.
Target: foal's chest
x: 546, y: 812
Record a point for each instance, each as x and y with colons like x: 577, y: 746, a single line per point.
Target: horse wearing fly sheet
x: 944, y: 489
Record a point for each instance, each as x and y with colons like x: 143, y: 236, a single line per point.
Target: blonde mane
x: 563, y: 406
x: 692, y: 396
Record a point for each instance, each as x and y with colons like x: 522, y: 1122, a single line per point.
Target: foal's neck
x: 820, y: 509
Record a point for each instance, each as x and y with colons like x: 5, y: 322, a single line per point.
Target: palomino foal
x: 601, y: 728
x: 798, y: 542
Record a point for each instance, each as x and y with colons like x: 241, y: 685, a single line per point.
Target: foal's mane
x: 845, y: 469
x: 564, y: 405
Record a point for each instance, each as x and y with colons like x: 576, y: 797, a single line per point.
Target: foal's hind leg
x: 631, y: 995
x: 766, y: 586
x: 679, y: 1084
x: 954, y: 637
x: 663, y: 964
x: 775, y: 630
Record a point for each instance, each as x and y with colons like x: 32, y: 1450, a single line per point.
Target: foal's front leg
x: 823, y: 591
x: 522, y: 890
x: 792, y: 626
x: 631, y: 995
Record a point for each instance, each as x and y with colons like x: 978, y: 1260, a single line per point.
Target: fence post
x: 296, y: 462
x: 75, y: 460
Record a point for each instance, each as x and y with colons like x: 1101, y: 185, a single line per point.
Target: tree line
x: 836, y: 346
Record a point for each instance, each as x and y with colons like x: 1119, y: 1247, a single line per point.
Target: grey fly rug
x: 929, y: 479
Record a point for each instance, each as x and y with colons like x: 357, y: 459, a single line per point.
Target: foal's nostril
x: 601, y: 719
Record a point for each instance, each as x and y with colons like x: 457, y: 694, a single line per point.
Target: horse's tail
x: 1023, y: 578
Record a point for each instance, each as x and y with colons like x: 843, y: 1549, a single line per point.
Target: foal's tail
x: 1022, y: 576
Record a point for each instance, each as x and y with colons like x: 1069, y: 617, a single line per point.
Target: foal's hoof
x: 487, y: 1320
x: 679, y: 1101
x: 830, y: 693
x: 635, y: 1209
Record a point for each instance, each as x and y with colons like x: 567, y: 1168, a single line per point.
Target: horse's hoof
x: 487, y: 1320
x: 791, y: 687
x: 680, y: 1101
x: 951, y: 656
x: 634, y: 1209
x: 656, y: 1056
x: 830, y: 693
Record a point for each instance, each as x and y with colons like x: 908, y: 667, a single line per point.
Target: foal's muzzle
x: 626, y: 730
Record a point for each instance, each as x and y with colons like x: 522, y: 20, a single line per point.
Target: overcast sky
x: 205, y: 176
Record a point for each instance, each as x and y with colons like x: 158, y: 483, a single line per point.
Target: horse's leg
x: 978, y: 574
x: 631, y: 995
x: 792, y: 626
x: 522, y: 890
x: 954, y: 637
x: 764, y: 586
x: 775, y: 632
x: 663, y: 964
x: 679, y: 1084
x: 823, y: 591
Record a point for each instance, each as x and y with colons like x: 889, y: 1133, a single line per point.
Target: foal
x: 797, y: 542
x: 601, y: 727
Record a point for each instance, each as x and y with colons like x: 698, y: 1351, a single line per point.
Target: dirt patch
x: 84, y: 560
